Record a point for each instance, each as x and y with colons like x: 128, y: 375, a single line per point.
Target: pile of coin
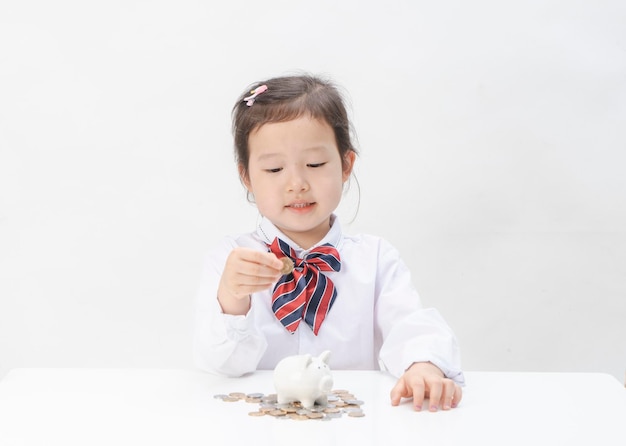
x: 340, y: 403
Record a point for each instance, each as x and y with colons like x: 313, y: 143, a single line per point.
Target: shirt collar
x: 268, y: 232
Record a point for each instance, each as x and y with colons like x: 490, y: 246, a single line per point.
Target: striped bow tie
x: 305, y: 293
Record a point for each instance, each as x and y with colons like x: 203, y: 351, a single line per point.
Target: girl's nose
x: 298, y: 181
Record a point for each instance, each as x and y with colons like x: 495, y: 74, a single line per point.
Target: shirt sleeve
x: 409, y: 332
x: 223, y: 344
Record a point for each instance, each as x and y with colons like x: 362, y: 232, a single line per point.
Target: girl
x: 298, y: 284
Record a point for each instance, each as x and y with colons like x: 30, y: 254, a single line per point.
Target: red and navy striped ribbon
x: 305, y: 293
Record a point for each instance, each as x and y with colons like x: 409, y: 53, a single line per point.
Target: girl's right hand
x: 246, y: 271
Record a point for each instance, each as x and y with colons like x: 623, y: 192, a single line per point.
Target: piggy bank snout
x: 326, y: 383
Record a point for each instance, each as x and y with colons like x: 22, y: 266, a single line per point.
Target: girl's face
x: 296, y: 176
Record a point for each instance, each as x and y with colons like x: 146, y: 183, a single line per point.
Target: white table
x: 177, y: 407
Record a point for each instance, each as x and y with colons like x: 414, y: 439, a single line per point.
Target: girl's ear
x: 348, y: 164
x: 243, y: 176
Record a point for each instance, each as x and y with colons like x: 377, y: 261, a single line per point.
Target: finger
x: 241, y: 285
x: 247, y: 290
x: 398, y: 391
x: 270, y: 259
x: 419, y: 391
x: 434, y: 394
x: 262, y: 266
x: 458, y: 395
x: 252, y: 273
x: 238, y: 279
x: 256, y: 257
x: 448, y: 394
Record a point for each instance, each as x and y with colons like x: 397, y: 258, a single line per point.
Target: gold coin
x: 238, y: 395
x: 230, y: 399
x: 356, y: 413
x: 287, y: 265
x: 256, y: 414
x: 277, y: 413
x: 295, y: 416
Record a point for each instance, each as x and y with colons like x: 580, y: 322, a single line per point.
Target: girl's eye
x: 315, y: 164
x: 275, y: 170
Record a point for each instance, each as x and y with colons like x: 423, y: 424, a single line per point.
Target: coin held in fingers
x: 287, y: 265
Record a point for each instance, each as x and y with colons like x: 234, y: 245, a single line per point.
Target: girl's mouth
x: 300, y: 205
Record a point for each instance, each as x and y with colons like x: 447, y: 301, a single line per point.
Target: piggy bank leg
x: 307, y: 403
x: 282, y: 399
x: 322, y: 400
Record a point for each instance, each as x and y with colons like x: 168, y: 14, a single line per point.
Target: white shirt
x: 377, y: 320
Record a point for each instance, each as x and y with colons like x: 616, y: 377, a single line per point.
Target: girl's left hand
x: 425, y: 380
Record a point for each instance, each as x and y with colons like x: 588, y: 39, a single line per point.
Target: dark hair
x: 288, y: 98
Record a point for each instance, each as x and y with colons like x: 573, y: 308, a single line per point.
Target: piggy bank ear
x: 325, y: 356
x: 307, y: 360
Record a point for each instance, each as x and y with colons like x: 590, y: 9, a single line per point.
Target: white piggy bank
x: 303, y: 378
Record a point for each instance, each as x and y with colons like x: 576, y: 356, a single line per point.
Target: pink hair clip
x: 254, y: 93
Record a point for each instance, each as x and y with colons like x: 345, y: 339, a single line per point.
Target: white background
x: 493, y: 150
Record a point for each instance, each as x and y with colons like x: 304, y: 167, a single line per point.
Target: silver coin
x: 354, y: 402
